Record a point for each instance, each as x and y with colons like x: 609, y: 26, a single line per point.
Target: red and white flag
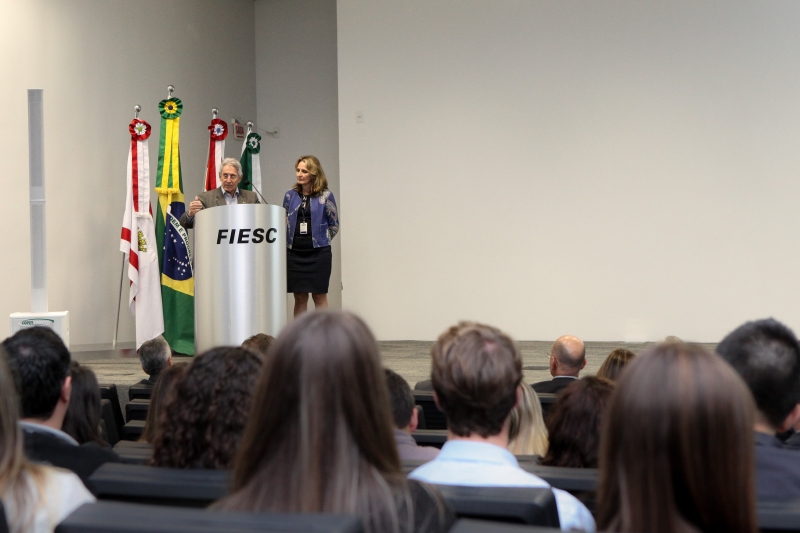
x: 216, y: 152
x: 138, y: 240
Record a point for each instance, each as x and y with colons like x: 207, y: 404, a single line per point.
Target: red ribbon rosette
x: 140, y: 130
x: 218, y: 129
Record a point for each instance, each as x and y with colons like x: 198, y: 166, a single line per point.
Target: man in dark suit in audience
x: 406, y: 419
x: 39, y: 362
x: 155, y: 356
x: 567, y: 359
x: 766, y: 354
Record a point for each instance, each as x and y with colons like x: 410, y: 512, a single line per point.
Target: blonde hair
x: 527, y: 433
x: 315, y: 169
x: 21, y: 482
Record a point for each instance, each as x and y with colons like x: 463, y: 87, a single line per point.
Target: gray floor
x: 410, y: 359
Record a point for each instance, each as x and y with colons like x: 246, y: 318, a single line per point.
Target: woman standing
x: 312, y: 220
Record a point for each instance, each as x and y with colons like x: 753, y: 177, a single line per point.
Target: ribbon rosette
x: 218, y: 129
x: 140, y: 130
x: 170, y: 108
x: 254, y: 143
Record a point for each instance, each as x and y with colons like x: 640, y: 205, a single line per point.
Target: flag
x: 216, y: 152
x: 251, y: 165
x: 138, y: 239
x: 177, y: 281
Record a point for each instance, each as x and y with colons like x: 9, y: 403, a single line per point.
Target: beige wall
x: 95, y: 59
x: 615, y: 170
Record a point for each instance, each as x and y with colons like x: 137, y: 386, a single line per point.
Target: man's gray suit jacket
x: 214, y: 198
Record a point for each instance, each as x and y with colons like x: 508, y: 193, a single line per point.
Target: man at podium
x: 228, y: 194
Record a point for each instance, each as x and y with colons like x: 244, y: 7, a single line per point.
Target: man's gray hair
x: 230, y: 161
x: 154, y: 355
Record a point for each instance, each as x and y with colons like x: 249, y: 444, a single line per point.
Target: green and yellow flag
x: 174, y: 256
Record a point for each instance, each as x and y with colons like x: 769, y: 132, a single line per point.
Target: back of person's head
x: 205, y: 416
x: 569, y: 352
x: 154, y: 355
x: 527, y: 434
x: 260, y: 343
x: 475, y: 373
x: 17, y: 476
x: 766, y: 355
x: 39, y: 362
x: 614, y: 363
x: 677, y: 446
x: 162, y: 390
x: 82, y: 421
x: 575, y: 423
x: 401, y: 399
x: 323, y: 433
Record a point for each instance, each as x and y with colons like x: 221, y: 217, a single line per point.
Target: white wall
x: 96, y: 59
x: 615, y: 170
x: 296, y: 89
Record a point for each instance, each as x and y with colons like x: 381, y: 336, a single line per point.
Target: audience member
x: 323, y: 434
x: 527, y: 434
x: 164, y: 387
x: 476, y: 373
x: 766, y: 354
x: 676, y: 450
x: 567, y: 359
x: 406, y: 419
x: 575, y: 423
x: 39, y: 363
x: 155, y: 356
x: 206, y: 414
x: 260, y: 343
x: 614, y: 363
x: 35, y: 497
x: 82, y: 420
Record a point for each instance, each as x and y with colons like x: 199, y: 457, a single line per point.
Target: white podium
x: 239, y: 273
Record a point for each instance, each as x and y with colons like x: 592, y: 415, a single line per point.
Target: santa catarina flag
x: 216, y: 152
x: 177, y: 281
x: 138, y: 239
x: 251, y: 165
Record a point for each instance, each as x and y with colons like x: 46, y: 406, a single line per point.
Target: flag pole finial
x: 214, y: 112
x: 136, y: 110
x: 170, y: 90
x: 249, y: 127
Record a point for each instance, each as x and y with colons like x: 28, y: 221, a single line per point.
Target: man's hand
x: 195, y: 206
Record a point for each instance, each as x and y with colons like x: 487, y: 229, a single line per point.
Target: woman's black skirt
x: 308, y: 270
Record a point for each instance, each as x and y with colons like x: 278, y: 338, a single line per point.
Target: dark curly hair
x: 205, y: 416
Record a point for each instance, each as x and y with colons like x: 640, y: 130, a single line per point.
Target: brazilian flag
x: 174, y: 256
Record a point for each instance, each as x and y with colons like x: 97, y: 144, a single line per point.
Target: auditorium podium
x: 239, y: 273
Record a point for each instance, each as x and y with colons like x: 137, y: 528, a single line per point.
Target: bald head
x: 568, y: 356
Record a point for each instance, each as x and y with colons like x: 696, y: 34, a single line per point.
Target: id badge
x: 303, y: 228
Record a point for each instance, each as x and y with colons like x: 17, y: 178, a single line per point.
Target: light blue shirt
x: 480, y: 464
x: 230, y: 200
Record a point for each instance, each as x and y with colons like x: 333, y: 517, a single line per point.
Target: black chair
x: 434, y: 418
x: 109, y: 392
x: 524, y: 505
x: 140, y: 392
x: 108, y: 423
x: 560, y: 477
x: 547, y: 401
x: 132, y: 430
x: 430, y: 437
x: 160, y: 486
x: 776, y: 517
x: 133, y: 452
x: 113, y: 517
x: 137, y: 409
x: 466, y: 525
x: 420, y: 417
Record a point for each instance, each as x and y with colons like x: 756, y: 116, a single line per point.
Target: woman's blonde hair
x: 21, y: 482
x: 315, y: 169
x: 527, y: 432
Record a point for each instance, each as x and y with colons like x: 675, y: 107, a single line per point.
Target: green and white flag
x: 251, y: 164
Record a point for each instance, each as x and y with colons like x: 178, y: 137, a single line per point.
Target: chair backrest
x: 137, y: 409
x: 564, y: 478
x: 547, y: 401
x: 468, y: 525
x: 108, y: 391
x: 159, y: 486
x: 142, y: 392
x: 434, y: 418
x: 778, y: 516
x: 132, y: 430
x: 109, y: 424
x: 134, y: 452
x: 430, y: 437
x: 420, y: 417
x: 114, y: 517
x: 532, y: 506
